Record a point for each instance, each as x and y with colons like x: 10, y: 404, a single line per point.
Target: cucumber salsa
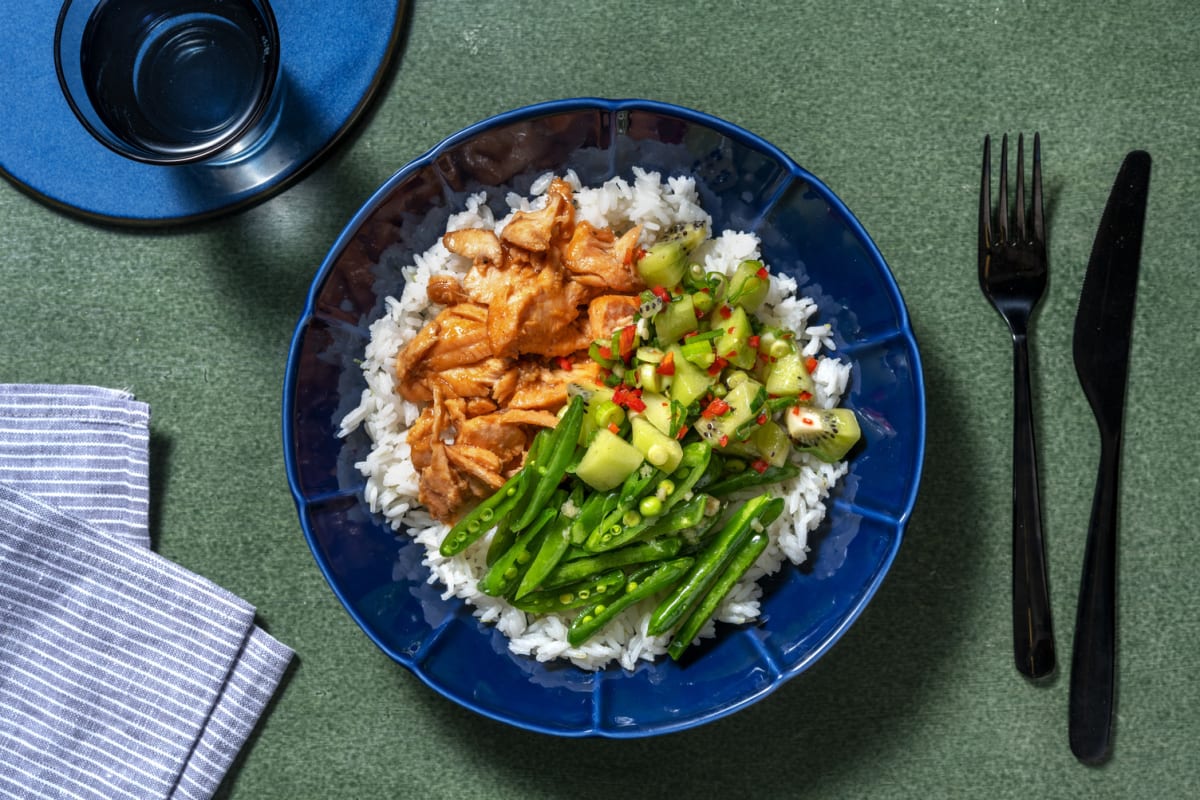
x: 657, y: 481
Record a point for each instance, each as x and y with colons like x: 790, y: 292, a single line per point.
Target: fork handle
x: 1093, y: 659
x: 1033, y: 634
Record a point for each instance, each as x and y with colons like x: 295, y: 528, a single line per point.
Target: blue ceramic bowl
x: 745, y: 183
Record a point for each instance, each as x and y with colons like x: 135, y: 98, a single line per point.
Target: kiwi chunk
x: 827, y: 433
x: 608, y: 461
x: 675, y: 320
x: 749, y: 285
x: 663, y: 451
x: 665, y: 263
x: 690, y: 381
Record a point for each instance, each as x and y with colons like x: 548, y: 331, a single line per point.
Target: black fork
x: 1012, y: 273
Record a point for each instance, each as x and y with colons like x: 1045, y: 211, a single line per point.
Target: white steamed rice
x: 391, y: 481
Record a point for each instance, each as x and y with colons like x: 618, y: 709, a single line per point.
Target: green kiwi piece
x: 827, y: 433
x: 689, y: 234
x: 667, y: 259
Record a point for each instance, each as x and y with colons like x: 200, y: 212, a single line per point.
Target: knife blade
x: 1103, y: 328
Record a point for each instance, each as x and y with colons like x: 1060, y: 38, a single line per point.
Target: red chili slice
x: 662, y: 294
x: 667, y: 365
x: 810, y: 364
x: 715, y: 409
x: 627, y: 397
x: 753, y: 341
x: 628, y: 334
x: 759, y: 466
x: 762, y: 273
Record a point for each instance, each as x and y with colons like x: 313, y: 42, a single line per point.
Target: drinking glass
x: 171, y: 81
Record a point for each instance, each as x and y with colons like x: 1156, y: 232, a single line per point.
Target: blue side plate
x: 334, y: 54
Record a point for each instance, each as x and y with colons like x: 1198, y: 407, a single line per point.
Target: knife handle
x: 1093, y: 668
x: 1033, y: 633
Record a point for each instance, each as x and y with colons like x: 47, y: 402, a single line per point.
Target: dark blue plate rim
x: 46, y: 153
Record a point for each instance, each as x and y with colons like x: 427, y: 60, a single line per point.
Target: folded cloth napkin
x: 122, y: 674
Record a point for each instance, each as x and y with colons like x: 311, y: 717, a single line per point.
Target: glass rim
x: 108, y: 138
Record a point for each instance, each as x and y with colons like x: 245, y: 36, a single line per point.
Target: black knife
x: 1103, y: 326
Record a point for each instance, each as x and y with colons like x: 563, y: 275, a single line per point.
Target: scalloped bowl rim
x: 744, y: 138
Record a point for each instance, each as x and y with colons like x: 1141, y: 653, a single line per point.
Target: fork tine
x: 1019, y: 205
x: 1039, y: 229
x: 1002, y: 200
x: 985, y: 196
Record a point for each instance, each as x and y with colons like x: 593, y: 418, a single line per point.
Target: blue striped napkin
x: 122, y: 674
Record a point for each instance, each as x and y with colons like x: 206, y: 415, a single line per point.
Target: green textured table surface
x: 888, y: 103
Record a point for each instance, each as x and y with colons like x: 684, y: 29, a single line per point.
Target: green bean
x: 491, y: 511
x: 751, y: 478
x: 594, y: 509
x: 553, y: 546
x: 504, y: 536
x: 580, y: 593
x: 506, y: 571
x: 688, y: 515
x: 645, y: 582
x: 576, y: 457
x: 717, y: 466
x: 640, y: 553
x: 560, y: 449
x: 697, y: 538
x: 502, y: 539
x: 575, y: 552
x: 639, y: 484
x: 696, y: 454
x: 742, y: 560
x: 550, y: 551
x: 712, y: 560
